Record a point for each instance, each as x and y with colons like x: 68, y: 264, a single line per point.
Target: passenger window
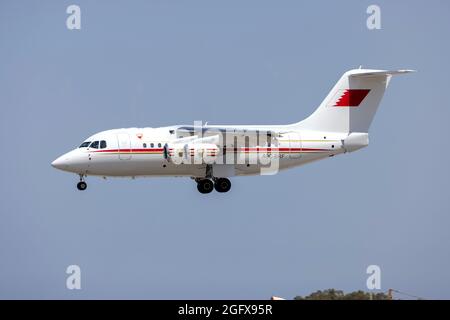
x: 152, y: 145
x: 94, y: 145
x: 144, y: 145
x: 102, y: 144
x: 159, y: 145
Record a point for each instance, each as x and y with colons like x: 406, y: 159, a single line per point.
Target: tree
x: 333, y: 294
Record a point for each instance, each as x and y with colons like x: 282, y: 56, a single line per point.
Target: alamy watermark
x: 373, y: 22
x: 209, y: 145
x: 73, y: 21
x: 374, y: 280
x: 73, y: 281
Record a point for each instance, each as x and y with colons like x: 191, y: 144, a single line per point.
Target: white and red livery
x: 210, y: 154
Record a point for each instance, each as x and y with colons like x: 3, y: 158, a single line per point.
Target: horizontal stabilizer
x: 374, y: 73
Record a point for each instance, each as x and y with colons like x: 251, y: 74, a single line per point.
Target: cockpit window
x: 84, y: 144
x: 102, y: 144
x: 94, y: 145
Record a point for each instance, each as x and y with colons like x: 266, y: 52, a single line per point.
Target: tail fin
x: 351, y: 104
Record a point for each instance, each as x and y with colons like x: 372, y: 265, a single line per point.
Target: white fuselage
x: 137, y: 152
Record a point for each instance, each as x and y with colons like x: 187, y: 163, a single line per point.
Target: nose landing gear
x: 81, y: 185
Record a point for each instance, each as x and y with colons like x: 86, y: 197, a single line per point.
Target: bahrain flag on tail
x: 351, y: 97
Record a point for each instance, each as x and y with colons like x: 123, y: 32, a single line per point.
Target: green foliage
x: 333, y: 294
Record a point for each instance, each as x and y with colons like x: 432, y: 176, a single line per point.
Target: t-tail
x: 351, y: 105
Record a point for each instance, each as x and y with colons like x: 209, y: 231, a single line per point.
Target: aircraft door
x: 124, y: 143
x: 295, y: 145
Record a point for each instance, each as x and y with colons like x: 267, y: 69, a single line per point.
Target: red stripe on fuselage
x: 228, y: 149
x: 130, y: 150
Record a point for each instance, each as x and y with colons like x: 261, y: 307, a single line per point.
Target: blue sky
x: 157, y: 63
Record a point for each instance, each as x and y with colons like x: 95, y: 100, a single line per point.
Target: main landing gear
x: 81, y: 185
x: 205, y: 186
x: 220, y: 184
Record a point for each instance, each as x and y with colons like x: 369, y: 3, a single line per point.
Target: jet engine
x: 196, y: 153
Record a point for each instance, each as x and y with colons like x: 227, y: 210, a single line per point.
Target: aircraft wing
x: 224, y: 135
x: 228, y: 130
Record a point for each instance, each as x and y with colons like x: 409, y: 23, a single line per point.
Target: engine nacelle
x: 197, y: 153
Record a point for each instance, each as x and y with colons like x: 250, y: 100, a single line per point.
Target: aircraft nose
x: 60, y: 163
x: 72, y: 161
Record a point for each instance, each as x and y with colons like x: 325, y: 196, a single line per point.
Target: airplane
x: 211, y: 154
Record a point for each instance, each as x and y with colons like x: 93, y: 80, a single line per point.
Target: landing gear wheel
x: 222, y: 185
x: 81, y: 185
x: 205, y: 186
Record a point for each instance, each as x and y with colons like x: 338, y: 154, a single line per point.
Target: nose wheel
x: 81, y: 185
